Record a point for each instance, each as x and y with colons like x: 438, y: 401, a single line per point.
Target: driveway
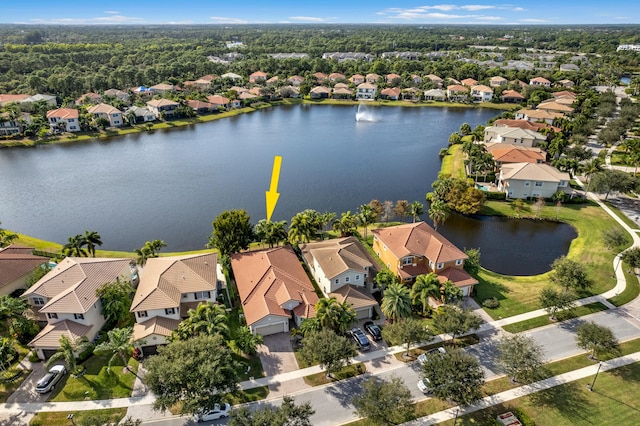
x: 26, y: 392
x: 277, y: 355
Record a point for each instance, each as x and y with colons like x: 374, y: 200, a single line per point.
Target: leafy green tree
x: 335, y: 315
x: 271, y: 233
x: 597, y: 339
x: 455, y: 321
x: 6, y: 238
x: 425, y: 286
x: 521, y: 357
x: 455, y: 376
x: 552, y: 301
x: 455, y: 138
x: 346, y: 225
x: 115, y: 299
x: 613, y: 238
x: 377, y: 207
x: 472, y: 263
x: 247, y: 341
x: 328, y: 349
x: 75, y: 246
x: 310, y: 325
x: 68, y: 350
x: 416, y: 209
x: 91, y: 239
x: 119, y: 343
x: 384, y: 278
x: 396, y: 302
x: 439, y: 212
x: 197, y: 373
x: 8, y: 352
x: 207, y: 319
x: 631, y: 257
x: 304, y: 226
x: 232, y: 232
x: 450, y: 292
x: 569, y: 274
x: 288, y: 414
x: 406, y: 333
x: 384, y: 402
x: 608, y: 181
x: 12, y: 308
x: 401, y: 209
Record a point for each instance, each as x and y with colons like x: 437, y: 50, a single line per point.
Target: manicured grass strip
x: 97, y: 383
x: 8, y: 387
x: 459, y: 342
x: 543, y: 320
x: 248, y: 395
x: 631, y: 291
x: 453, y: 162
x: 345, y: 373
x: 105, y: 417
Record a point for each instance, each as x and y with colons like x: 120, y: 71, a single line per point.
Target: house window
x: 357, y: 277
x: 202, y: 295
x: 52, y: 316
x: 170, y: 311
x: 38, y: 301
x: 431, y: 264
x: 538, y: 183
x: 78, y: 316
x: 384, y: 247
x: 526, y: 184
x: 337, y: 280
x: 346, y: 279
x: 407, y: 261
x: 142, y: 314
x: 440, y: 265
x: 459, y: 262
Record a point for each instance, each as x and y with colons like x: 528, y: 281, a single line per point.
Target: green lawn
x: 631, y: 291
x: 109, y: 416
x: 346, y: 372
x: 543, y: 320
x: 453, y: 162
x: 519, y: 294
x: 97, y: 383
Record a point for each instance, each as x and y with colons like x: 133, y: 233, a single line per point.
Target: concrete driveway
x: 26, y: 392
x: 277, y: 355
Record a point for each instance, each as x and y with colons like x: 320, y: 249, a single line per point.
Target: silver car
x: 48, y: 382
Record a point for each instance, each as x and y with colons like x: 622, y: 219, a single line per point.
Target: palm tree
x: 416, y: 209
x: 346, y: 225
x: 12, y: 308
x: 143, y: 253
x: 68, y: 350
x: 367, y: 216
x: 207, y: 319
x: 450, y: 292
x: 310, y: 325
x: 6, y: 238
x: 396, y: 302
x: 424, y: 287
x: 120, y: 344
x: 8, y: 352
x: 438, y: 212
x: 304, y: 226
x: 74, y: 246
x: 271, y: 233
x: 328, y: 312
x: 591, y: 167
x: 155, y: 246
x: 325, y: 219
x: 92, y: 239
x: 248, y: 342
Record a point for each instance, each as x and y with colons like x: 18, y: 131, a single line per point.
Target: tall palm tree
x: 12, y: 308
x: 143, y: 253
x: 416, y: 209
x: 75, y: 246
x: 271, y: 233
x: 304, y: 226
x: 328, y: 312
x: 591, y: 167
x: 396, y: 302
x: 120, y: 344
x: 310, y: 325
x: 6, y: 238
x: 8, y: 352
x: 367, y: 216
x: 92, y: 239
x: 68, y: 350
x: 248, y: 342
x: 439, y: 212
x: 425, y: 286
x: 346, y: 225
x: 450, y: 292
x: 207, y: 319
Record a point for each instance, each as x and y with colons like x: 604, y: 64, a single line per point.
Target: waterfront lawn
x: 453, y: 162
x: 105, y: 417
x: 543, y: 320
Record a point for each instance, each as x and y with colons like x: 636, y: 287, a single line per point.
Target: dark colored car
x: 360, y: 339
x: 373, y: 330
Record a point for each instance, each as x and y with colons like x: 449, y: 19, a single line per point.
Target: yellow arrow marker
x: 273, y: 194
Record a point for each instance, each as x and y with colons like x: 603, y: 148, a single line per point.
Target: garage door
x: 363, y: 313
x: 48, y: 353
x: 270, y: 329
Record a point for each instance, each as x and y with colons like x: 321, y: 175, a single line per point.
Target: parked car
x: 373, y: 330
x: 48, y: 382
x: 360, y: 338
x: 425, y: 386
x: 219, y: 411
x: 423, y: 357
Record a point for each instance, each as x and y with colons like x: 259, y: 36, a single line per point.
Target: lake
x: 171, y: 184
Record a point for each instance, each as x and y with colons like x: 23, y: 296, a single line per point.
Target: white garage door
x: 363, y: 313
x: 270, y: 329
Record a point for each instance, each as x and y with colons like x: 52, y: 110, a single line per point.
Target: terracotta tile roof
x: 392, y: 92
x: 469, y: 82
x: 539, y: 80
x: 516, y: 154
x: 367, y: 86
x: 166, y: 279
x: 457, y: 88
x: 195, y: 104
x: 246, y: 95
x: 268, y: 278
x: 16, y: 262
x: 418, y: 239
x: 71, y: 286
x: 336, y: 76
x: 258, y: 74
x: 320, y: 76
x: 392, y: 76
x: 49, y: 336
x: 207, y: 78
x: 482, y: 88
x: 372, y: 77
x: 320, y: 89
x: 343, y: 91
x: 161, y: 326
x: 296, y: 78
x: 512, y: 94
x: 337, y: 255
x: 63, y: 113
x: 540, y: 114
x: 218, y: 100
x: 564, y: 93
x: 530, y: 171
x: 554, y: 106
x: 6, y: 99
x: 524, y: 124
x: 103, y: 109
x: 354, y: 297
x: 459, y: 277
x: 434, y: 78
x: 163, y: 87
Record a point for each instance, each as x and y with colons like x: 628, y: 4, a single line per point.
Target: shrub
x: 523, y: 417
x: 33, y: 357
x: 495, y: 195
x: 491, y: 303
x: 86, y: 354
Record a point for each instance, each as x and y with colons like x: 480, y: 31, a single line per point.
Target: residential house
x: 320, y: 92
x: 273, y: 80
x: 393, y: 78
x: 231, y: 76
x: 498, y: 81
x: 143, y: 115
x: 16, y: 265
x: 247, y: 96
x: 119, y: 94
x: 257, y: 77
x: 536, y: 115
x: 168, y: 289
x: 65, y: 119
x: 411, y: 94
x: 437, y: 81
x: 391, y: 93
x: 518, y: 83
x: 469, y: 82
x: 553, y: 106
x: 366, y: 91
x: 481, y: 93
x: 513, y: 135
x: 505, y: 153
x: 540, y: 81
x: 143, y: 91
x: 512, y: 97
x: 320, y: 77
x: 564, y: 94
x: 457, y: 93
x: 565, y: 100
x: 336, y: 76
x: 112, y: 114
x: 8, y: 99
x: 65, y: 298
x: 164, y: 88
x: 357, y: 79
x: 289, y: 92
x: 342, y: 91
x: 372, y: 78
x: 50, y: 100
x: 274, y: 289
x: 89, y: 98
x: 163, y: 108
x: 416, y: 79
x: 218, y: 101
x: 12, y: 126
x: 569, y: 67
x: 416, y: 249
x: 531, y: 180
x: 200, y: 107
x: 524, y: 124
x: 296, y: 80
x: 202, y: 84
x: 567, y: 83
x: 435, y: 95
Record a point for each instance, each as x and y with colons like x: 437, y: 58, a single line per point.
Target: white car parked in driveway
x: 219, y: 411
x: 48, y: 382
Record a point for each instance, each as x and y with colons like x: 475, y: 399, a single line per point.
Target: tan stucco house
x: 16, y: 265
x: 531, y: 180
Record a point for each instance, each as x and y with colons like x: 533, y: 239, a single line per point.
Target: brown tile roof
x: 459, y: 277
x: 392, y: 76
x: 516, y: 154
x: 258, y: 74
x: 530, y: 171
x: 161, y: 326
x: 161, y: 102
x: 512, y: 94
x: 336, y: 76
x: 163, y: 87
x: 554, y: 106
x: 268, y: 278
x: 469, y: 82
x: 63, y: 113
x: 16, y: 262
x: 49, y: 336
x: 392, y: 92
x: 539, y: 80
x: 354, y: 297
x: 6, y: 99
x: 564, y: 93
x: 71, y: 286
x: 524, y: 124
x: 104, y: 109
x: 320, y: 76
x: 337, y: 255
x: 218, y: 100
x: 457, y: 88
x: 165, y: 279
x: 195, y: 104
x: 418, y: 239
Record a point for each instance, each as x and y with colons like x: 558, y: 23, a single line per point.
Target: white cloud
x: 104, y: 20
x: 534, y: 21
x: 111, y: 12
x: 310, y: 19
x: 518, y: 9
x: 474, y: 7
x: 225, y: 20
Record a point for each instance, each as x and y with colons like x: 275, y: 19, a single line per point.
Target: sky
x: 146, y: 12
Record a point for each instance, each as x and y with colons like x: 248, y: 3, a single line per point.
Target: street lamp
x: 455, y: 420
x: 590, y: 386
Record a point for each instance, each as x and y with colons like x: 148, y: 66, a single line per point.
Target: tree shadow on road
x: 345, y: 390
